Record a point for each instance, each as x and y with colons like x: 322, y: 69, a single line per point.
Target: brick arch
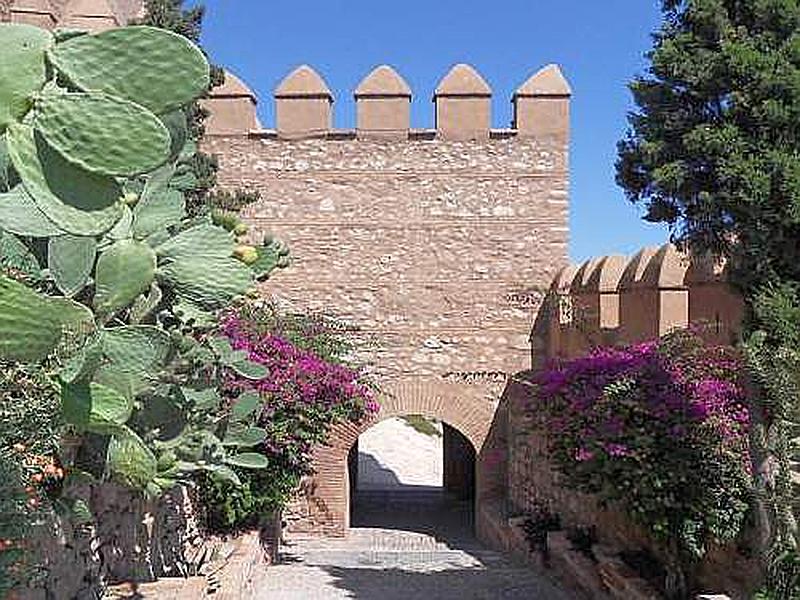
x: 471, y: 416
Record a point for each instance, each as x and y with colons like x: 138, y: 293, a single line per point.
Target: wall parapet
x: 616, y: 300
x: 462, y: 108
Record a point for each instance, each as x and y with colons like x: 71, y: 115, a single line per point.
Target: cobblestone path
x: 404, y: 545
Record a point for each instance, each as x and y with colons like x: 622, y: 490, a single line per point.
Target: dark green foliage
x: 229, y: 508
x: 714, y: 147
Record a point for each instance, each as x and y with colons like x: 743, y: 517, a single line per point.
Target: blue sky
x: 600, y: 46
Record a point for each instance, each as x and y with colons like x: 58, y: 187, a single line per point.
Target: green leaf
x: 250, y: 369
x: 81, y: 514
x: 16, y: 256
x: 223, y: 474
x: 202, y: 400
x: 77, y: 201
x: 154, y: 67
x: 206, y: 283
x: 244, y: 436
x: 144, y: 305
x: 124, y: 271
x: 272, y: 255
x: 248, y: 460
x: 221, y: 347
x: 245, y: 405
x: 29, y: 328
x: 123, y: 229
x: 23, y: 70
x: 82, y: 365
x: 70, y: 260
x: 95, y: 407
x: 204, y: 241
x: 157, y: 211
x: 20, y: 215
x: 135, y: 354
x: 129, y: 460
x: 175, y: 122
x: 117, y: 137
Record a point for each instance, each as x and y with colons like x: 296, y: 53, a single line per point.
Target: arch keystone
x: 463, y: 104
x: 303, y: 104
x: 383, y: 105
x: 541, y: 105
x: 231, y: 107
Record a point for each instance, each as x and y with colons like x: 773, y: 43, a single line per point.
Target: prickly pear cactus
x: 94, y: 164
x: 23, y: 70
x: 125, y: 62
x: 118, y: 137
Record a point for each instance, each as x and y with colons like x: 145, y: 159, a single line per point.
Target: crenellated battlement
x: 462, y: 107
x: 617, y: 300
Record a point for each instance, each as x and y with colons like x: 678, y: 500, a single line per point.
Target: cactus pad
x: 130, y: 460
x: 19, y: 214
x: 208, y: 283
x: 156, y: 211
x: 22, y: 68
x: 117, y: 137
x: 77, y: 201
x: 248, y: 460
x: 70, y: 259
x: 201, y: 241
x: 29, y: 328
x: 127, y: 62
x: 124, y: 271
x: 135, y: 355
x: 95, y: 407
x: 16, y: 257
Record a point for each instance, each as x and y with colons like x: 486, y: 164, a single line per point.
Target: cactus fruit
x: 273, y: 254
x: 77, y: 201
x: 23, y: 70
x: 29, y: 328
x: 124, y: 271
x: 20, y: 215
x: 118, y: 137
x: 247, y: 254
x: 70, y: 260
x: 125, y: 62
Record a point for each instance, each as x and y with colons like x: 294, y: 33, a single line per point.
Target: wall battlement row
x: 619, y: 300
x: 462, y: 104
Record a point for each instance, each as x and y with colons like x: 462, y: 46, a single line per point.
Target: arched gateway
x: 437, y: 245
x: 331, y: 483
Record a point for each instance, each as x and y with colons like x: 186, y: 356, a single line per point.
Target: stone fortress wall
x: 614, y: 300
x: 91, y: 15
x: 436, y: 245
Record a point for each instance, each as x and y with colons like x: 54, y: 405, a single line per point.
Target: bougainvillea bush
x: 308, y: 390
x: 660, y: 429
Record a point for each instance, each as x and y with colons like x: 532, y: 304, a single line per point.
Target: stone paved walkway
x: 412, y: 544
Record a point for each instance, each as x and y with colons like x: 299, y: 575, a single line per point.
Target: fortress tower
x: 438, y: 245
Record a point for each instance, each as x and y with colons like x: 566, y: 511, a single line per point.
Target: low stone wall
x: 132, y: 539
